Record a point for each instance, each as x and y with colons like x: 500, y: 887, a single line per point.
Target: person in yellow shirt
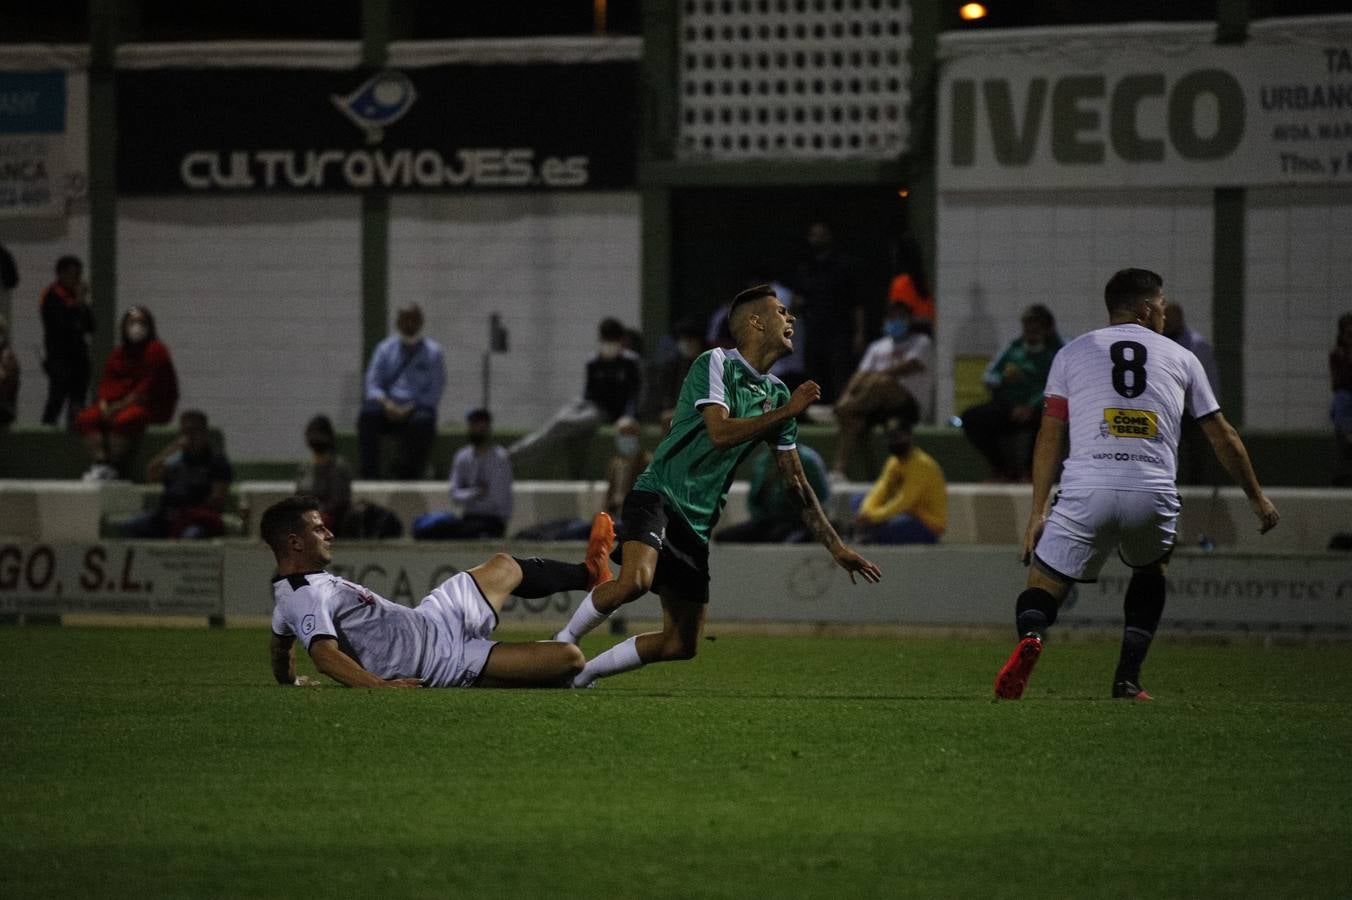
x: 908, y: 504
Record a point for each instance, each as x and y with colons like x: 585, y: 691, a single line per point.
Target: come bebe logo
x: 379, y: 102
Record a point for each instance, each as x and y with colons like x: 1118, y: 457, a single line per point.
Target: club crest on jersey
x: 307, y: 624
x: 765, y: 405
x: 1132, y: 423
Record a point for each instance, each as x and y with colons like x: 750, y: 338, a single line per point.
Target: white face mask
x: 136, y: 332
x: 410, y: 340
x: 608, y: 349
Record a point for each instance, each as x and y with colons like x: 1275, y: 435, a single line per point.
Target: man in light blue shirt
x: 481, y: 485
x: 404, y: 382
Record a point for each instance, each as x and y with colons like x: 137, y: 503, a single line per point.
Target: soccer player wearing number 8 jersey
x: 728, y: 403
x: 1119, y: 394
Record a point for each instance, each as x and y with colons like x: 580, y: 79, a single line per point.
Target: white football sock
x: 585, y: 618
x: 623, y: 657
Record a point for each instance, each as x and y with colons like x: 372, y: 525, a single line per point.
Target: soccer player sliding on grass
x: 360, y: 639
x: 728, y: 403
x: 1120, y: 393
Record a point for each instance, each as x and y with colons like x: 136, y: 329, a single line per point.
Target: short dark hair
x: 68, y: 262
x: 479, y: 415
x: 322, y: 423
x: 1128, y: 287
x: 751, y: 295
x: 1040, y: 314
x: 283, y: 518
x: 194, y: 414
x: 611, y: 329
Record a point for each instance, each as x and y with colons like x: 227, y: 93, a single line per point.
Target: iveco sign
x: 1154, y: 106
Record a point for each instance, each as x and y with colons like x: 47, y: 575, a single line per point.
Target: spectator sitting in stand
x: 9, y: 377
x: 1340, y: 377
x: 895, y: 378
x: 675, y: 354
x: 325, y: 475
x: 481, y: 483
x: 404, y: 383
x: 623, y: 469
x: 139, y: 388
x: 774, y: 517
x: 613, y: 382
x: 1003, y: 429
x: 908, y: 504
x: 196, y: 479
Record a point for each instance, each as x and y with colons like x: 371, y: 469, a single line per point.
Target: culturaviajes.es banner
x: 538, y: 126
x: 1147, y: 106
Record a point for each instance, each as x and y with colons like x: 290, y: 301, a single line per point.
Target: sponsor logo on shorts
x: 1132, y: 423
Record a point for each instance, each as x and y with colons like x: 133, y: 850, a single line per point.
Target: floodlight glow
x: 972, y: 11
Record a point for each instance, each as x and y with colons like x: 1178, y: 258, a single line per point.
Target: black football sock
x: 1143, y: 606
x: 542, y: 577
x: 1035, y: 612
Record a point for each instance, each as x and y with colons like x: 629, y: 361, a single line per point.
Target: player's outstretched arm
x: 1230, y: 450
x: 798, y: 487
x: 725, y: 432
x: 344, y: 669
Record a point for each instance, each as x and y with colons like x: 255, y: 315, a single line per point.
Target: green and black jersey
x: 687, y: 470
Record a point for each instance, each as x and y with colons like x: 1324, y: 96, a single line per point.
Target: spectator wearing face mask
x: 404, y: 383
x: 614, y: 380
x: 325, y: 476
x: 481, y: 485
x: 624, y: 467
x: 908, y: 504
x: 895, y: 378
x: 139, y: 388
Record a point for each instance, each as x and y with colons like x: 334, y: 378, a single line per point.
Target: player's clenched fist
x: 806, y: 394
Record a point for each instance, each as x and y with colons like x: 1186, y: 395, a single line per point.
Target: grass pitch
x: 156, y: 762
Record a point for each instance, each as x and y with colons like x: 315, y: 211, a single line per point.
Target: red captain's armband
x: 1057, y: 408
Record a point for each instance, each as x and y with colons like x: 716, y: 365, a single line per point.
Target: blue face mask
x: 897, y: 329
x: 626, y: 444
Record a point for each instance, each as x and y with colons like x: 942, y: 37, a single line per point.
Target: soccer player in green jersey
x: 727, y: 403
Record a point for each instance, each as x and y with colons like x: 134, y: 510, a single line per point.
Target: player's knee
x: 679, y: 647
x: 571, y: 661
x: 500, y: 559
x: 633, y: 585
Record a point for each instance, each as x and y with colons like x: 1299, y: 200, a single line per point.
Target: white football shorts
x: 462, y: 620
x: 1086, y: 524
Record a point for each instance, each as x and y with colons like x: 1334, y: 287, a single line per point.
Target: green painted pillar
x: 377, y: 17
x: 106, y: 28
x: 1229, y: 210
x: 657, y: 140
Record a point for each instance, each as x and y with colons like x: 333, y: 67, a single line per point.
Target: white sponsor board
x: 1147, y: 105
x: 164, y: 577
x: 766, y: 583
x: 972, y: 585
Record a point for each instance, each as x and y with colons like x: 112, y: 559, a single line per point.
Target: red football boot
x: 1013, y: 677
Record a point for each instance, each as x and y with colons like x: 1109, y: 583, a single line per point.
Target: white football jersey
x: 386, y: 639
x: 1127, y: 388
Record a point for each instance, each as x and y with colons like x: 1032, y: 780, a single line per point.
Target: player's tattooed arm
x: 283, y: 651
x: 798, y: 487
x: 345, y: 670
x: 726, y: 432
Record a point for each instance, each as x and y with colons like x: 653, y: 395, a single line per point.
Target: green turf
x: 165, y: 763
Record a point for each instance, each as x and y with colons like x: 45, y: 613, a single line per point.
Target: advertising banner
x: 167, y: 578
x: 442, y: 128
x: 1150, y: 106
x: 32, y: 144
